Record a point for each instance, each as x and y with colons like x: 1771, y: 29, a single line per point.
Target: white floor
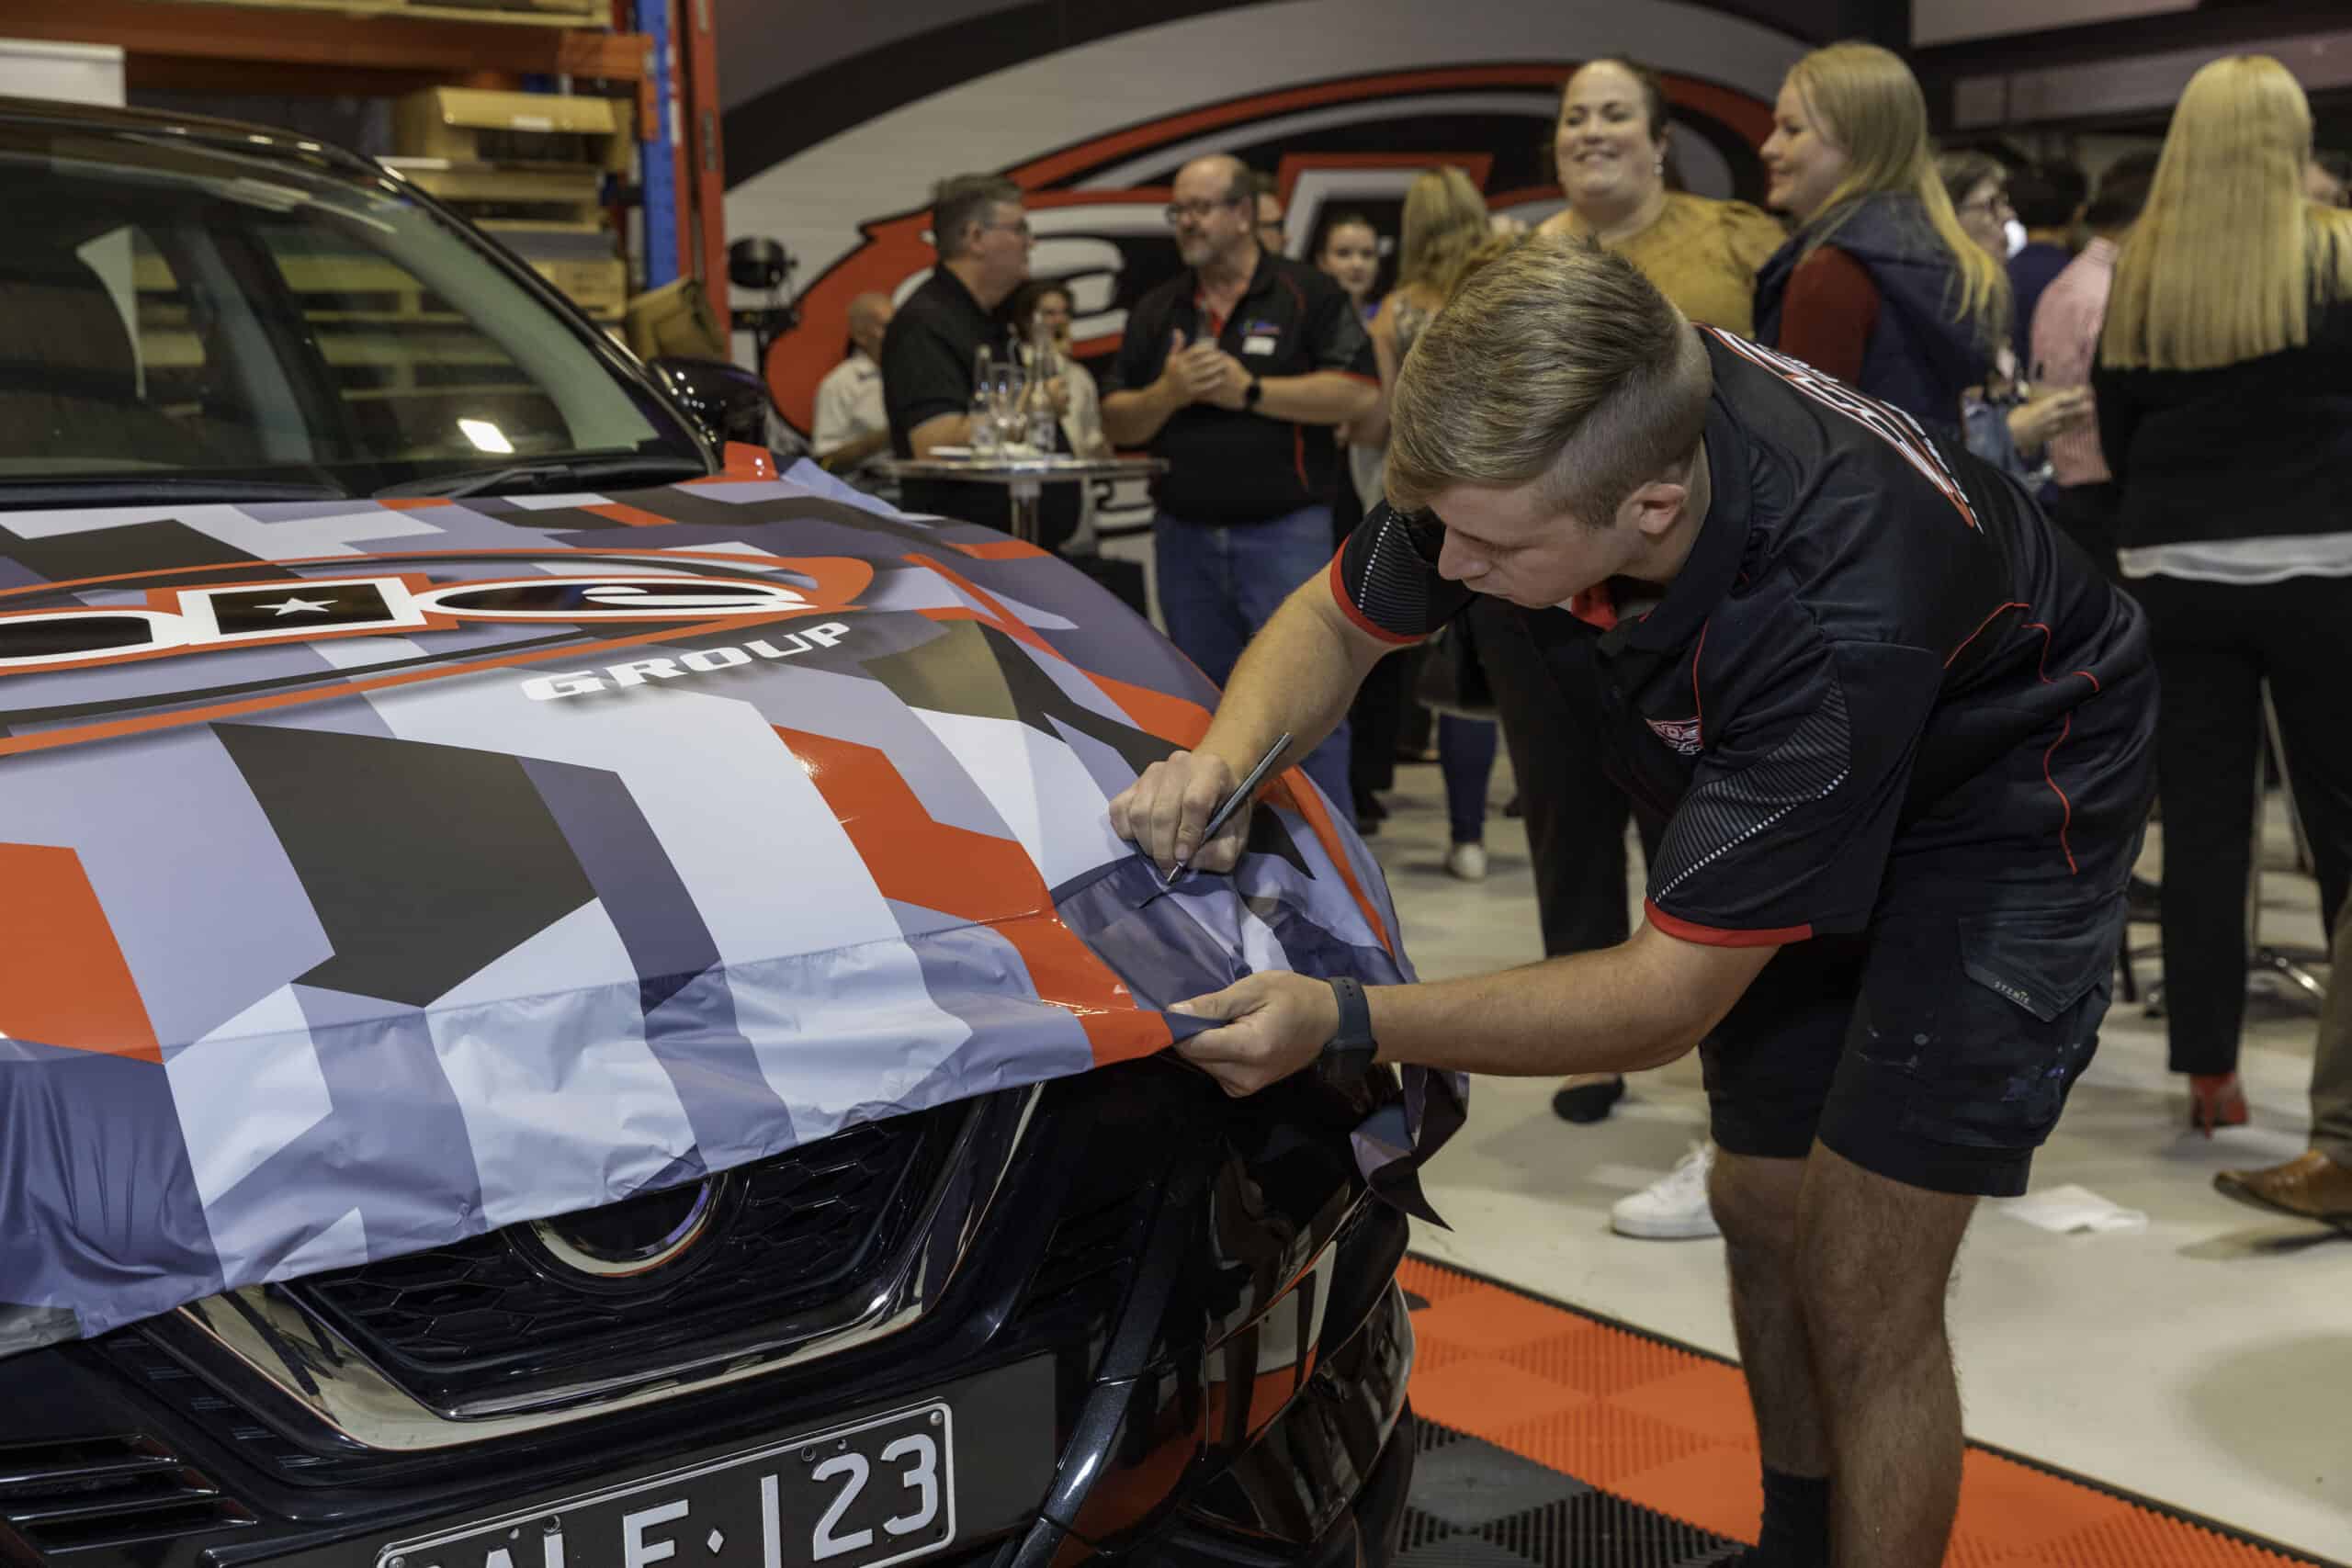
x: 2205, y: 1361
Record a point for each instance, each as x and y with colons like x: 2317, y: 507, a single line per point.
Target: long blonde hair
x: 1865, y: 100
x: 1445, y: 218
x: 2227, y: 254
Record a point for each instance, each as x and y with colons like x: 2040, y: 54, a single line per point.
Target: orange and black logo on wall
x: 1347, y: 145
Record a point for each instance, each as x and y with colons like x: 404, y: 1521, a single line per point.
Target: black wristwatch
x: 1348, y: 1055
x: 1256, y: 390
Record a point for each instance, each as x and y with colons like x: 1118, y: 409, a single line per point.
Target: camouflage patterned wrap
x: 380, y: 873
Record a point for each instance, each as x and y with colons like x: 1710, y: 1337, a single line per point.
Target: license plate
x: 862, y: 1496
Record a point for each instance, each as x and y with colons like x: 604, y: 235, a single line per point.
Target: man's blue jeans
x: 1218, y: 585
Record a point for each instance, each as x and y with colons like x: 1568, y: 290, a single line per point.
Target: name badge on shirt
x: 1257, y: 342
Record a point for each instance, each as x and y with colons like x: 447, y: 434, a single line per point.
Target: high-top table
x: 1022, y: 478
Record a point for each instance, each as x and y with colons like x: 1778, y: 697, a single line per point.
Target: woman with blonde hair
x: 1444, y: 224
x: 2224, y: 395
x: 1880, y: 286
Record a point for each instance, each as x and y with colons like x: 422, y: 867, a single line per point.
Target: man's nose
x: 1457, y: 562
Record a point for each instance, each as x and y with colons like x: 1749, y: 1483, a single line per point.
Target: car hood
x: 385, y: 872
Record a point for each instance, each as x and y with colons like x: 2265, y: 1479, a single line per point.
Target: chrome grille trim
x: 259, y: 1341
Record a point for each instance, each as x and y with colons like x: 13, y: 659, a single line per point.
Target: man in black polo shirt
x: 1236, y: 371
x: 933, y: 343
x: 1901, y: 733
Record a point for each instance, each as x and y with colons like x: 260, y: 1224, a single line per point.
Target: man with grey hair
x: 928, y: 353
x: 1903, y: 743
x: 1236, y: 371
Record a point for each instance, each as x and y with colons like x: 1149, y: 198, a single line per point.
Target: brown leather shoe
x: 2309, y: 1187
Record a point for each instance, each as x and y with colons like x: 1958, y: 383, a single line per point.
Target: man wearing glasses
x: 1236, y: 371
x: 928, y: 353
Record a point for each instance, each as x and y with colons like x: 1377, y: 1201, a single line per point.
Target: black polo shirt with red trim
x: 1228, y: 466
x: 1879, y: 671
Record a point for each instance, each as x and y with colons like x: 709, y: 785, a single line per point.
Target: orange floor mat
x: 1647, y: 1454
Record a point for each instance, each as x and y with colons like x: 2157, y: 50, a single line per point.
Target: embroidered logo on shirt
x: 1682, y: 734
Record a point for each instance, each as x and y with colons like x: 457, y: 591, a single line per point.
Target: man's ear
x: 1655, y: 507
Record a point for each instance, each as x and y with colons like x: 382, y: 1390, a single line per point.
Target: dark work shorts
x: 1936, y: 1049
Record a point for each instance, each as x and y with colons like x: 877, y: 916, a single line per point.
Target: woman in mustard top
x: 1610, y: 146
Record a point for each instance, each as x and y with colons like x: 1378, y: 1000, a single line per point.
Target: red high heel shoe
x: 2215, y: 1099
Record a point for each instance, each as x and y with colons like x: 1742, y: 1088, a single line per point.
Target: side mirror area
x: 725, y: 401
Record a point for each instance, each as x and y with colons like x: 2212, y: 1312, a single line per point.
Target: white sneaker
x: 1467, y: 862
x: 1672, y: 1208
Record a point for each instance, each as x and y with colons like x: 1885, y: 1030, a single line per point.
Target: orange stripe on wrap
x: 62, y: 977
x: 978, y: 877
x: 635, y: 516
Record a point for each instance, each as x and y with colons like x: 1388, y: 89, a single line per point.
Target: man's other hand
x: 1275, y: 1023
x: 1163, y: 812
x: 1232, y: 383
x: 1195, y: 372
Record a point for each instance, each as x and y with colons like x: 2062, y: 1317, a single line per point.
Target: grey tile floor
x: 2205, y: 1361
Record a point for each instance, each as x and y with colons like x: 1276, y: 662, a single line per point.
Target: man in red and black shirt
x: 1236, y: 371
x: 1901, y: 732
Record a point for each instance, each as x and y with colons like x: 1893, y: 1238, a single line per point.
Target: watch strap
x: 1355, y: 1033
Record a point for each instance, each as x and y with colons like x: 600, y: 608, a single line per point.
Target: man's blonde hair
x: 1558, y: 362
x: 2229, y: 253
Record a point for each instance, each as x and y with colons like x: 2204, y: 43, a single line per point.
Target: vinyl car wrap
x: 382, y: 873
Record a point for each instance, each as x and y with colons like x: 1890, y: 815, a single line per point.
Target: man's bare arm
x: 1640, y: 1004
x: 1298, y: 674
x: 1624, y: 1009
x: 1325, y: 397
x: 940, y: 430
x: 850, y: 452
x: 1132, y: 419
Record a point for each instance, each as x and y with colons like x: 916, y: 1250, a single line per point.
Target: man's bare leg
x: 1756, y: 1202
x: 1875, y: 1259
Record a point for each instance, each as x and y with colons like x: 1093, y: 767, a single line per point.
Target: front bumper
x: 1186, y: 1304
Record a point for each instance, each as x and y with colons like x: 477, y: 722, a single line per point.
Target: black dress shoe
x: 1587, y: 1103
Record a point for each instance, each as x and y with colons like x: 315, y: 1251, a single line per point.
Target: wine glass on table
x: 1009, y: 401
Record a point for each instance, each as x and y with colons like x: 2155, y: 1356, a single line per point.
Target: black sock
x: 1796, y: 1521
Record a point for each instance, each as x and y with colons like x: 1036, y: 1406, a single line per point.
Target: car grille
x: 91, y: 1494
x: 800, y: 1230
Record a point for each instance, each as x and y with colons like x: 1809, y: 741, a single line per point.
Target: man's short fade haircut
x: 961, y: 199
x: 1557, y: 363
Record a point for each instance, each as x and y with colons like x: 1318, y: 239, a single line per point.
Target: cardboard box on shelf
x: 490, y: 194
x: 577, y: 258
x: 676, y: 319
x: 472, y: 125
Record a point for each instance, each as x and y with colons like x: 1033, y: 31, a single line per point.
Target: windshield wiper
x: 163, y: 490
x: 551, y: 474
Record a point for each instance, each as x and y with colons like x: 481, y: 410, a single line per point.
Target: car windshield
x: 185, y: 314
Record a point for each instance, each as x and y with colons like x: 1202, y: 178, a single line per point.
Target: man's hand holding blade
x: 1164, y: 811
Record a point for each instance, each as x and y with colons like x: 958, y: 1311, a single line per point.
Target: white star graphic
x: 293, y: 606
